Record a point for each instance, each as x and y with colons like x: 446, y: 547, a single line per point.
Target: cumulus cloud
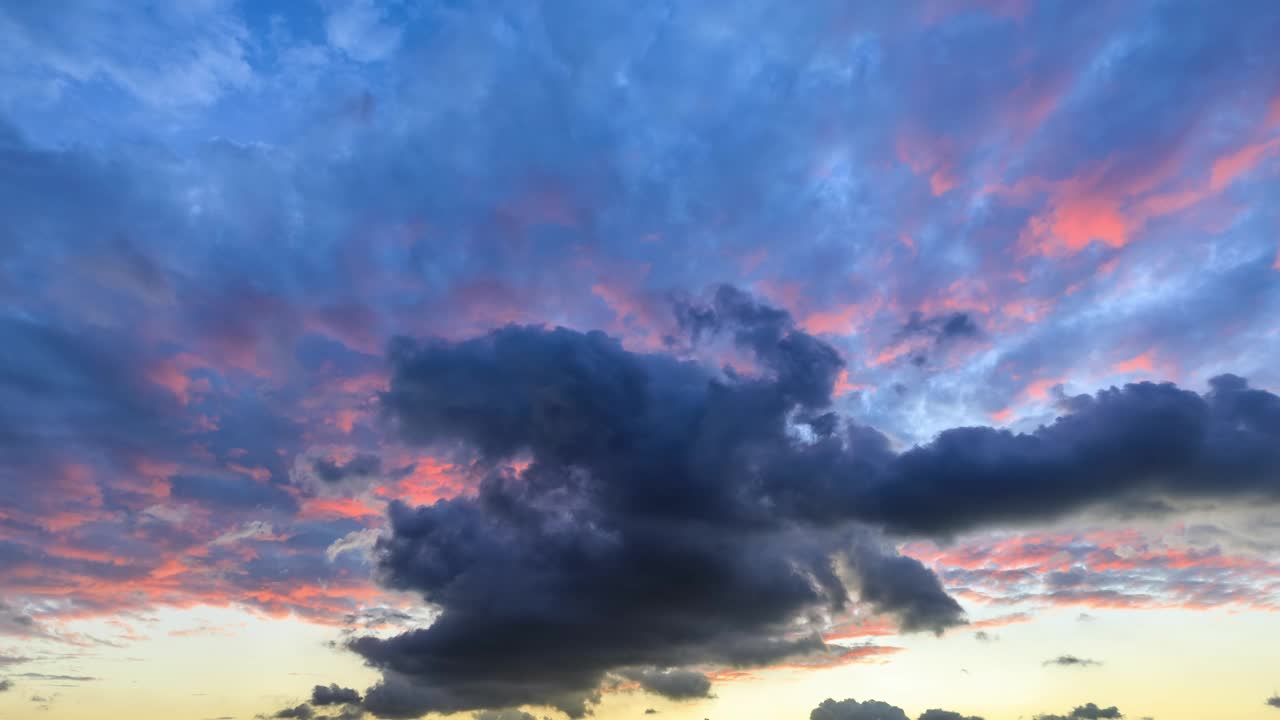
x: 333, y: 694
x: 853, y: 710
x: 877, y: 710
x: 641, y: 524
x: 1088, y: 711
x: 297, y: 712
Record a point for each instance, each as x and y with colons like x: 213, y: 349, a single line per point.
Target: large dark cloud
x: 640, y: 528
x: 662, y: 494
x: 1120, y: 446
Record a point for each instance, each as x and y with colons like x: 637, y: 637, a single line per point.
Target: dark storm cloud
x: 333, y: 694
x: 853, y: 710
x: 1274, y: 701
x: 650, y: 473
x: 643, y: 520
x: 673, y: 684
x: 297, y: 712
x: 1071, y: 661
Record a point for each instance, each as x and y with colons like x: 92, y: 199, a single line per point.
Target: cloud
x: 1088, y: 711
x: 671, y: 683
x: 936, y: 714
x: 943, y: 328
x: 1274, y: 701
x: 853, y: 710
x: 297, y: 712
x: 364, y: 465
x: 876, y: 710
x: 503, y: 714
x: 333, y: 694
x: 647, y: 468
x: 646, y: 475
x: 1139, y: 441
x: 60, y: 678
x: 1071, y: 661
x: 5, y: 684
x: 360, y: 29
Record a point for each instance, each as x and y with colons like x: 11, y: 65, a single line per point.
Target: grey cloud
x: 1071, y: 661
x: 1088, y: 711
x: 503, y: 714
x: 935, y: 714
x: 333, y: 694
x: 853, y: 710
x: 363, y: 465
x: 675, y: 684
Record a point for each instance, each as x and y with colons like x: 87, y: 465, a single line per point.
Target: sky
x: 740, y: 360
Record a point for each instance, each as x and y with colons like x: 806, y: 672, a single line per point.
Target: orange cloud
x: 1039, y: 389
x: 844, y: 386
x: 1137, y: 363
x: 842, y: 320
x: 1228, y: 168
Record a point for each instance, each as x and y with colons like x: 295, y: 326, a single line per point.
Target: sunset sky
x: 723, y: 360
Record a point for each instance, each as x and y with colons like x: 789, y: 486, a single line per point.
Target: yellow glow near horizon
x: 1155, y: 663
